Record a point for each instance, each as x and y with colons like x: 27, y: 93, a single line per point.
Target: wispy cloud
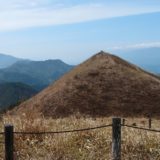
x: 137, y: 46
x: 23, y: 13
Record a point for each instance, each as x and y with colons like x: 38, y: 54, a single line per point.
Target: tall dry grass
x: 88, y: 145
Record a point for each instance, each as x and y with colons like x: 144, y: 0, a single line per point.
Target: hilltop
x: 104, y: 85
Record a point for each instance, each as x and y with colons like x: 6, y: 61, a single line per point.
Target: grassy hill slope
x: 104, y: 85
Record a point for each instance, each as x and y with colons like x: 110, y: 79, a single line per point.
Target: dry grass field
x: 88, y: 145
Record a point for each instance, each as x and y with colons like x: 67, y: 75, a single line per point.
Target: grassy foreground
x: 88, y: 145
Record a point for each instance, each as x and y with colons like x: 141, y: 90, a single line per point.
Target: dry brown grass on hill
x: 89, y: 145
x: 104, y: 85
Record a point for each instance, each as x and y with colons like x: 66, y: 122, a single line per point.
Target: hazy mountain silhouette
x: 7, y: 60
x: 147, y: 58
x: 38, y: 74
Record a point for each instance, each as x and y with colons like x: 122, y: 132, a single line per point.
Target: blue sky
x: 74, y: 30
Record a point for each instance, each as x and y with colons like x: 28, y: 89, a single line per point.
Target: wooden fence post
x: 9, y: 142
x: 150, y: 123
x: 116, y: 138
x: 123, y: 121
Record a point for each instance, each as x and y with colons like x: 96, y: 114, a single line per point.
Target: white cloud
x: 23, y: 13
x: 137, y: 46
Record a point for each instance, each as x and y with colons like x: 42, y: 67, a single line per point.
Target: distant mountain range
x: 20, y: 79
x: 7, y: 60
x: 33, y: 76
x: 37, y: 74
x: 13, y: 93
x: 147, y: 58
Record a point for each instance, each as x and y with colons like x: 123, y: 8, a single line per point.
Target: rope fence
x: 141, y: 128
x: 117, y: 124
x: 65, y: 131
